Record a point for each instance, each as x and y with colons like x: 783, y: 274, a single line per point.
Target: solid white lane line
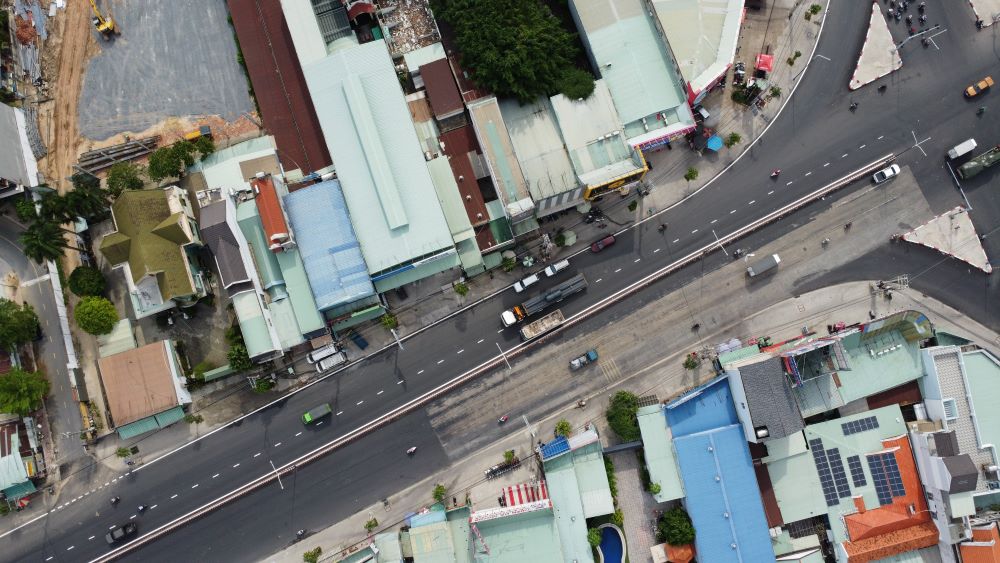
x: 380, y: 392
x: 256, y: 454
x: 419, y: 372
x: 655, y: 251
x: 618, y: 270
x: 480, y: 341
x: 440, y: 362
x: 460, y: 351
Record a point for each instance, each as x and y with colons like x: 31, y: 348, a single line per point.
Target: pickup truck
x: 542, y: 325
x: 589, y: 357
x: 544, y: 300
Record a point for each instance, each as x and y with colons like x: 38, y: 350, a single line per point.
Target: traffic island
x: 879, y: 55
x: 952, y: 234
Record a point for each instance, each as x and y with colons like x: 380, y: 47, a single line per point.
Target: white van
x: 962, y: 149
x: 525, y: 283
x: 320, y: 353
x: 556, y: 268
x: 331, y: 361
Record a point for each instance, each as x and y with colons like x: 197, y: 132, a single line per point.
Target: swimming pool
x: 612, y: 546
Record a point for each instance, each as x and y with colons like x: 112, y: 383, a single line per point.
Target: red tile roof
x: 984, y: 547
x: 902, y: 526
x: 279, y: 85
x: 458, y: 143
x: 771, y: 509
x: 271, y: 215
x: 442, y: 92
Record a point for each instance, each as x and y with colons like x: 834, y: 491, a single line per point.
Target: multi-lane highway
x: 815, y: 140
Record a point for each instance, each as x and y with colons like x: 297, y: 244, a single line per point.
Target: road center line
x: 460, y: 351
x: 50, y: 557
x: 278, y: 444
x: 808, y: 173
x: 862, y: 146
x: 770, y: 192
x: 132, y: 517
x: 788, y: 184
x: 419, y: 372
x: 694, y: 231
x: 399, y: 382
x: 256, y: 454
x: 843, y: 155
x: 195, y: 486
x: 714, y: 221
x: 618, y: 270
x: 154, y: 506
x: 214, y: 476
x: 91, y: 537
x: 598, y: 280
x: 72, y: 546
x: 655, y: 251
x: 825, y: 165
x: 360, y: 402
x: 234, y: 467
x: 752, y: 201
x: 338, y: 414
x: 299, y: 433
x: 440, y: 362
x: 880, y: 137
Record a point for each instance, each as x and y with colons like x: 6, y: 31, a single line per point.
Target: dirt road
x: 64, y: 60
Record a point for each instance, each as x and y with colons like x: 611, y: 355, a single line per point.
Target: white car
x: 556, y: 268
x: 525, y: 283
x: 886, y: 173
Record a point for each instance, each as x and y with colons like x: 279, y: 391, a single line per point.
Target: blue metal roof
x: 722, y: 496
x: 555, y: 447
x: 322, y: 228
x: 703, y: 408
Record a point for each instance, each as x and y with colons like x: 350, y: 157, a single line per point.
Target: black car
x: 119, y: 534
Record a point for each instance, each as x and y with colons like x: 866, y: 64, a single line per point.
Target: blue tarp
x: 329, y: 249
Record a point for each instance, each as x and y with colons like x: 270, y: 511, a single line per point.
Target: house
x: 154, y: 244
x: 18, y: 167
x: 144, y: 388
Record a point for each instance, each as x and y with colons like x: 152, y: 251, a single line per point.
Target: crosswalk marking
x: 612, y: 372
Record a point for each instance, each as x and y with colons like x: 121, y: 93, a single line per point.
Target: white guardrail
x: 496, y: 361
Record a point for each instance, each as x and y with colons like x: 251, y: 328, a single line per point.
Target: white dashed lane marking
x: 195, y: 486
x: 636, y: 261
x: 862, y: 146
x: 359, y: 403
x: 299, y: 433
x: 214, y: 476
x: 340, y: 413
x: 91, y: 537
x: 676, y: 240
x: 825, y: 165
x: 380, y: 392
x: 880, y: 137
x: 154, y: 506
x: 279, y: 443
x: 618, y: 270
x: 788, y: 184
x: 714, y: 221
x: 460, y: 351
x: 694, y: 231
x: 752, y: 201
x: 770, y: 192
x: 808, y: 173
x: 419, y: 372
x: 175, y: 496
x: 655, y: 251
x: 256, y: 454
x: 843, y: 155
x: 70, y: 548
x: 234, y: 467
x: 598, y: 280
x: 440, y: 362
x: 480, y: 341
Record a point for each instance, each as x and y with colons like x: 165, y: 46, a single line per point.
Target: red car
x: 603, y: 243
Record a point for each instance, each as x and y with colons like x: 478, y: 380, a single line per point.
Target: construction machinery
x: 104, y: 24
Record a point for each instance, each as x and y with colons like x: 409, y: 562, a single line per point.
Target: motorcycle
x: 411, y: 451
x: 775, y: 172
x: 502, y: 419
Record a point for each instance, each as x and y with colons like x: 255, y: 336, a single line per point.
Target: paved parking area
x: 175, y: 58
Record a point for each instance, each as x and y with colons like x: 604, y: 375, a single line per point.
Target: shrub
x: 508, y: 456
x: 808, y: 17
x: 262, y: 385
x: 675, y: 527
x: 123, y: 452
x: 96, y: 315
x: 691, y: 361
x: 618, y: 518
x: 312, y: 556
x: 238, y: 357
x: 124, y: 176
x: 733, y: 139
x: 691, y: 174
x: 594, y: 537
x: 621, y: 416
x: 371, y: 525
x: 508, y: 264
x: 198, y: 372
x: 25, y: 210
x: 193, y: 418
x: 632, y: 205
x: 389, y: 321
x: 87, y: 280
x: 563, y: 428
x: 440, y: 492
x: 18, y: 323
x: 775, y: 91
x: 462, y: 288
x: 21, y: 392
x: 609, y: 470
x: 815, y: 9
x: 560, y: 240
x: 654, y: 488
x: 576, y: 84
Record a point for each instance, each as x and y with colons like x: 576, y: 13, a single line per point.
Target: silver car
x: 886, y: 173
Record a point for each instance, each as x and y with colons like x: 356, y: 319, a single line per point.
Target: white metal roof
x: 702, y: 35
x: 371, y: 137
x: 539, y: 148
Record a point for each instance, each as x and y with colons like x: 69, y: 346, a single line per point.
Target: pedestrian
x: 909, y: 18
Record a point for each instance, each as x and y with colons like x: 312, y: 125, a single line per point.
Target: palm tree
x: 44, y: 240
x: 88, y: 202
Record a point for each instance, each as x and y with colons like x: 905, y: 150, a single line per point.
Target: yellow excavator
x: 105, y: 24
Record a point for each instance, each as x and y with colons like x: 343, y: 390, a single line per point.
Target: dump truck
x: 542, y: 325
x: 543, y: 300
x: 763, y: 265
x: 979, y: 163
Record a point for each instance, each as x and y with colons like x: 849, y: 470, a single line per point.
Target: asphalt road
x: 63, y: 414
x: 815, y: 140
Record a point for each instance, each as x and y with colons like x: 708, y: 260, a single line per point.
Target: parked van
x: 320, y: 353
x: 763, y: 265
x: 962, y: 149
x: 527, y: 282
x: 556, y: 268
x: 331, y: 361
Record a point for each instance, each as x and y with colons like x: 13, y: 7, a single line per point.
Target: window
x: 950, y: 409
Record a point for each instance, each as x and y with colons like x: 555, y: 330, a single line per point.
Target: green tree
x: 84, y: 181
x: 124, y: 176
x: 515, y: 48
x: 621, y: 416
x: 675, y: 527
x: 691, y: 174
x: 21, y: 392
x: 655, y: 488
x: 462, y: 288
x: 193, y: 418
x: 89, y: 201
x: 440, y: 492
x: 123, y: 452
x: 563, y: 428
x: 44, y: 240
x: 87, y: 280
x: 576, y: 84
x: 25, y: 210
x: 594, y: 537
x: 18, y: 324
x: 509, y: 455
x: 371, y: 524
x: 691, y: 361
x: 389, y: 321
x: 96, y: 315
x: 312, y: 556
x: 509, y: 263
x: 170, y: 162
x: 55, y: 208
x: 238, y: 357
x: 733, y: 139
x: 204, y: 145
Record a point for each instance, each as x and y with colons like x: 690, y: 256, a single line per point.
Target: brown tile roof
x: 138, y: 383
x: 278, y: 84
x: 272, y: 218
x: 984, y: 547
x: 907, y: 394
x: 771, y: 509
x: 442, y: 92
x: 458, y: 143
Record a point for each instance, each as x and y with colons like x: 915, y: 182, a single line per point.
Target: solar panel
x: 860, y: 425
x: 885, y: 475
x: 839, y: 476
x: 857, y: 474
x: 825, y: 476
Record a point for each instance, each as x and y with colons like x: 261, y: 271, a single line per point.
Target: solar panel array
x: 825, y: 474
x: 857, y: 474
x: 885, y: 474
x: 860, y: 425
x: 839, y: 477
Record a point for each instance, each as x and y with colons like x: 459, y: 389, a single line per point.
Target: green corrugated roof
x: 658, y: 451
x: 267, y: 265
x: 527, y: 538
x: 252, y: 324
x: 20, y: 490
x: 149, y: 237
x: 299, y: 292
x: 450, y: 199
x: 138, y: 427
